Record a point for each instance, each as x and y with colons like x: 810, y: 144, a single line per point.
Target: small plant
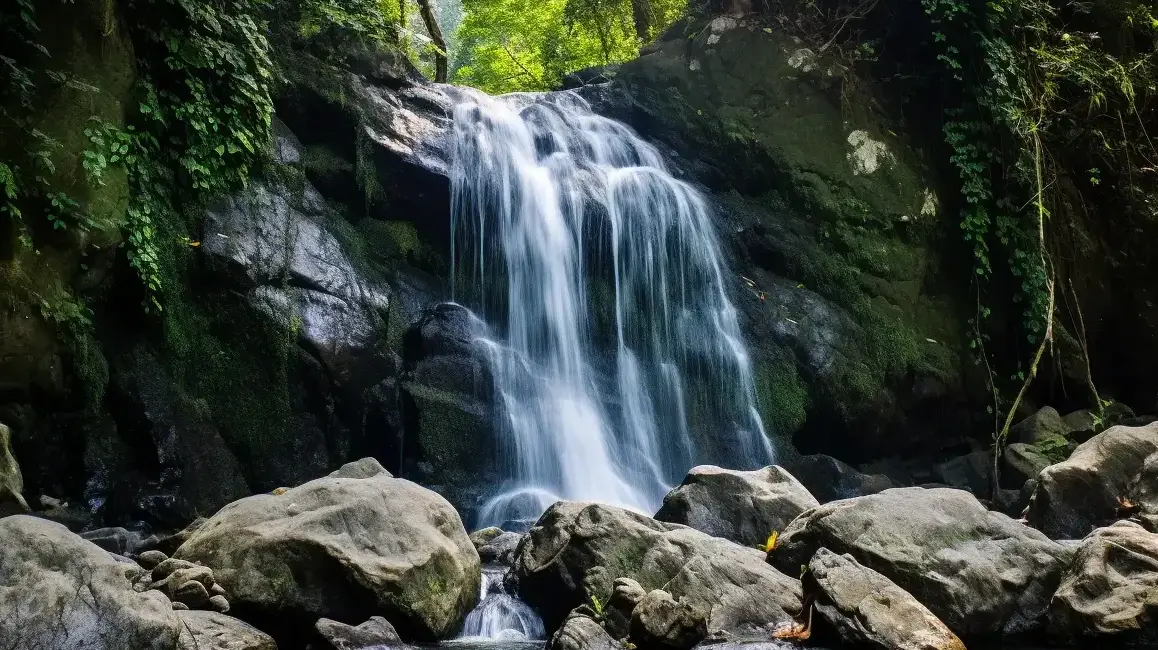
x: 770, y: 545
x: 597, y: 606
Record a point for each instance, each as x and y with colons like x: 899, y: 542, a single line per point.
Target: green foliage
x: 524, y: 45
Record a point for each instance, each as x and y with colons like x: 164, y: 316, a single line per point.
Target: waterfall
x: 616, y: 353
x: 500, y: 616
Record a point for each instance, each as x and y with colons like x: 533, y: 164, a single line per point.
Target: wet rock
x: 1090, y: 488
x: 829, y: 479
x: 1107, y: 594
x: 744, y: 507
x: 573, y: 541
x: 501, y: 549
x: 660, y: 621
x: 581, y: 632
x: 866, y: 608
x: 60, y: 591
x: 343, y: 549
x: 375, y: 632
x: 214, y: 631
x: 980, y: 572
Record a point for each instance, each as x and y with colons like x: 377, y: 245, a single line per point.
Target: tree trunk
x: 641, y: 12
x: 435, y: 32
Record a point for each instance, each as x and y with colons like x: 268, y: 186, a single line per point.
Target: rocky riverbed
x: 360, y: 559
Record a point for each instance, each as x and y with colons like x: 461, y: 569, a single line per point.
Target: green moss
x: 782, y: 396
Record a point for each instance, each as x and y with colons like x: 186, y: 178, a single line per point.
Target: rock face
x: 1110, y: 590
x: 581, y: 632
x: 867, y: 608
x: 215, y: 631
x: 343, y: 548
x: 577, y: 550
x: 979, y: 571
x: 60, y: 591
x: 744, y: 507
x: 501, y: 549
x: 11, y: 482
x: 375, y: 632
x: 1075, y: 496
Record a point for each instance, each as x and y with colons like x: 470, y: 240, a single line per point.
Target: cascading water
x: 603, y: 279
x: 500, y: 616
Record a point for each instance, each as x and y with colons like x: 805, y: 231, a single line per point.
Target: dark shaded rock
x: 375, y: 632
x: 598, y: 74
x: 971, y: 472
x: 866, y: 608
x: 170, y: 543
x: 150, y: 559
x: 1107, y: 594
x: 829, y: 479
x: 1074, y: 497
x: 659, y: 621
x: 115, y: 540
x: 1021, y: 462
x: 625, y: 595
x: 215, y: 631
x: 219, y: 603
x: 980, y: 572
x: 192, y: 593
x: 343, y: 548
x: 581, y: 632
x: 745, y: 507
x: 501, y: 549
x: 577, y: 550
x: 60, y: 591
x: 1045, y: 424
x: 11, y: 482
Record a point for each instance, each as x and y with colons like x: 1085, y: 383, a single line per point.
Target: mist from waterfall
x: 602, y: 281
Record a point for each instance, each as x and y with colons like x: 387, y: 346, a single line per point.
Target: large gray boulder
x: 980, y: 572
x: 744, y: 507
x: 577, y: 550
x: 866, y: 608
x: 60, y: 592
x: 1087, y: 490
x: 344, y: 548
x: 1110, y: 591
x: 375, y: 632
x: 214, y: 631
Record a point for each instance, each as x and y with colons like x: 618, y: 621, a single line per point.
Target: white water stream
x: 615, y: 346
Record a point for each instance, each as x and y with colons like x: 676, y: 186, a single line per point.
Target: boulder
x: 1044, y: 425
x: 11, y: 482
x: 61, y: 592
x: 625, y: 595
x: 980, y: 572
x: 744, y: 507
x: 971, y: 472
x: 577, y: 550
x: 192, y: 593
x: 218, y: 603
x: 483, y: 536
x: 170, y: 566
x: 1088, y: 489
x: 501, y: 549
x: 660, y: 621
x: 344, y: 548
x: 866, y: 608
x: 363, y: 468
x: 115, y: 540
x: 829, y: 479
x: 215, y: 631
x: 581, y: 632
x: 1020, y: 463
x: 150, y: 559
x: 1110, y: 591
x: 375, y: 632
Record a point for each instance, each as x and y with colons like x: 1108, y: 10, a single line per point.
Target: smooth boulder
x: 866, y: 608
x: 581, y: 632
x: 1091, y: 487
x: 343, y: 548
x: 745, y: 507
x: 660, y: 621
x: 61, y: 592
x: 980, y: 572
x: 214, y: 631
x: 577, y: 550
x: 1110, y: 590
x: 375, y: 632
